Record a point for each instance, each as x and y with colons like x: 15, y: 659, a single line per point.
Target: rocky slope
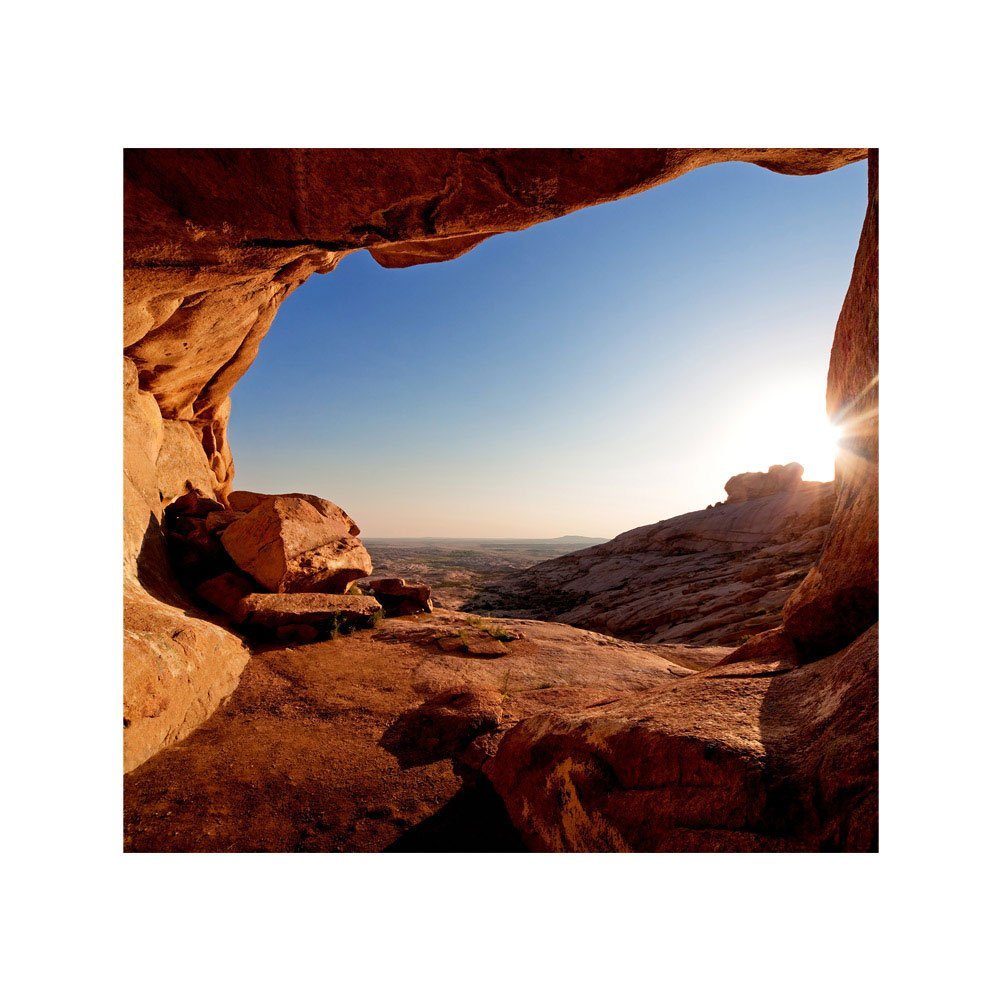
x: 712, y: 577
x: 753, y: 756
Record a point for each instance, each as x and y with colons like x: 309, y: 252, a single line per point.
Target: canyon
x: 543, y: 735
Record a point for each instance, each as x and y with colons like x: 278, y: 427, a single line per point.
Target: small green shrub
x: 495, y: 631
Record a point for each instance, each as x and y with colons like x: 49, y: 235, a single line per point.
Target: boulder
x: 323, y: 612
x: 225, y: 592
x: 196, y: 554
x: 752, y: 756
x: 244, y: 501
x: 401, y: 598
x: 443, y: 726
x: 289, y: 546
x: 754, y: 485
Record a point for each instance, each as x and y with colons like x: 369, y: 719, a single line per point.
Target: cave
x: 216, y: 240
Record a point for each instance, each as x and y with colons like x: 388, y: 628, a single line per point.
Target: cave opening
x: 451, y: 696
x: 592, y: 373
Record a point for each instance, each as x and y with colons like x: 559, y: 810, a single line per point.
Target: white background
x: 83, y: 81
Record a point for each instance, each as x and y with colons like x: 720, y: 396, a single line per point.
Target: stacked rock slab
x: 322, y: 612
x: 399, y: 597
x: 302, y: 550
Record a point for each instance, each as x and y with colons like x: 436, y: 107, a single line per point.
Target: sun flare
x: 788, y: 424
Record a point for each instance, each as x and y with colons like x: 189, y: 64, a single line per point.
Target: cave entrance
x: 584, y: 376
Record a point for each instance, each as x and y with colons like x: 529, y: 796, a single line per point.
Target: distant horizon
x: 607, y: 369
x: 482, y: 538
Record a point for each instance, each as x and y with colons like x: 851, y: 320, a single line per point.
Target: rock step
x: 321, y: 611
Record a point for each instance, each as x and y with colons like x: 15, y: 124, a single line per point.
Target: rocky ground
x: 295, y: 760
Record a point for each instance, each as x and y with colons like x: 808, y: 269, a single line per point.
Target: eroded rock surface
x: 322, y: 612
x: 289, y: 544
x: 755, y: 756
x: 399, y: 597
x: 713, y: 577
x: 839, y: 597
x: 754, y: 485
x: 178, y: 664
x: 295, y: 760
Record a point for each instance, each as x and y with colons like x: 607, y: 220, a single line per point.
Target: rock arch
x: 215, y: 240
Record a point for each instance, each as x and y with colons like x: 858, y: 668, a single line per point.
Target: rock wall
x: 838, y: 600
x: 178, y: 665
x: 215, y: 240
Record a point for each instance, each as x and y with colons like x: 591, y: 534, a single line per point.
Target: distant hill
x: 451, y: 541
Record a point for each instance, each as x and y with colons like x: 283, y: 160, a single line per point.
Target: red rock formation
x: 754, y: 485
x: 215, y: 240
x: 839, y: 597
x: 714, y: 576
x: 178, y: 667
x: 287, y: 545
x: 754, y: 756
x: 399, y: 597
x: 322, y: 612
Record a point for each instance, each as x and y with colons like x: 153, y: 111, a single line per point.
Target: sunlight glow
x: 788, y: 423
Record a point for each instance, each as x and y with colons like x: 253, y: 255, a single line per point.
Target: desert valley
x: 706, y: 682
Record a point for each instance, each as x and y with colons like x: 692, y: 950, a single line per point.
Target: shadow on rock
x: 474, y: 821
x: 443, y: 726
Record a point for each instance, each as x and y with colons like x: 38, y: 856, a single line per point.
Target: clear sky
x: 588, y: 375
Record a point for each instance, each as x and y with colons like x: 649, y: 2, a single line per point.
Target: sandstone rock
x: 775, y: 644
x: 483, y: 645
x: 292, y: 762
x: 320, y: 611
x: 178, y: 668
x: 755, y: 756
x: 754, y: 485
x: 207, y: 267
x: 443, y: 726
x: 225, y: 592
x: 289, y: 546
x: 839, y: 597
x: 243, y: 501
x: 399, y: 597
x: 182, y: 465
x: 217, y: 521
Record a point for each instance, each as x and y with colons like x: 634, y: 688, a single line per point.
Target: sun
x: 781, y: 423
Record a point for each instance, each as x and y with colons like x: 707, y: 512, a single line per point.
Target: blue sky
x: 604, y: 370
